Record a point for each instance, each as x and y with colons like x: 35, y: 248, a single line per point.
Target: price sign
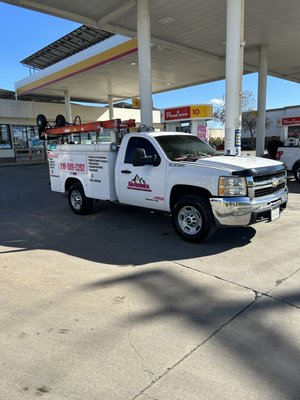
x: 201, y: 111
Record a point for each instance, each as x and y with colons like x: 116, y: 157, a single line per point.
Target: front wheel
x: 193, y: 219
x: 79, y: 203
x: 296, y: 171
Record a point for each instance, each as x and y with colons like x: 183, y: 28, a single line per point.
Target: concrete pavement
x: 114, y: 305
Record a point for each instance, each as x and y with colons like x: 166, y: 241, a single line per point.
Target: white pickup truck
x: 289, y: 154
x: 172, y: 172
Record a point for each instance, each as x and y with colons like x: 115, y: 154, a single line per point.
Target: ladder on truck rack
x: 115, y: 126
x: 89, y: 127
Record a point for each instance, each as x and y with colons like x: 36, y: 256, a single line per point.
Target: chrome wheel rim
x: 76, y: 200
x: 190, y: 220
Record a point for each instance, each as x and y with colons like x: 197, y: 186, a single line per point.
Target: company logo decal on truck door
x: 138, y: 183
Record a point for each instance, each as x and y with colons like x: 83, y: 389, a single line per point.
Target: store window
x: 19, y: 137
x: 294, y: 132
x: 25, y: 137
x: 5, y: 137
x: 33, y: 137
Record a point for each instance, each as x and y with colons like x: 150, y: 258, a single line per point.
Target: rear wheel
x: 79, y: 203
x: 296, y: 171
x: 193, y: 219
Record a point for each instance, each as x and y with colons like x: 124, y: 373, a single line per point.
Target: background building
x: 281, y: 123
x: 19, y: 139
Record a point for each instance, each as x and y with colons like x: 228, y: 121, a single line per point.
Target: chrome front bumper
x: 241, y: 211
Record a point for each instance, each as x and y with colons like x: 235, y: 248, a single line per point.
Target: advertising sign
x: 201, y: 132
x: 290, y: 121
x: 176, y: 114
x: 196, y: 111
x: 135, y: 103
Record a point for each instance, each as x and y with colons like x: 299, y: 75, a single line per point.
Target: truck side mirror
x: 140, y: 159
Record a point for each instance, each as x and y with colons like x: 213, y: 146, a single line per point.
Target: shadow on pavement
x: 33, y: 217
x: 294, y: 186
x: 116, y: 235
x: 247, y: 335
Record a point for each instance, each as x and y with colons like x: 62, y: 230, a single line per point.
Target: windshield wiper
x: 191, y: 157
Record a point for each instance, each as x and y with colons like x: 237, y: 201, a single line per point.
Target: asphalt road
x: 114, y: 305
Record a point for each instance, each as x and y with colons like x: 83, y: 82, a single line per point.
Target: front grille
x: 263, y: 178
x: 268, y: 190
x: 268, y: 184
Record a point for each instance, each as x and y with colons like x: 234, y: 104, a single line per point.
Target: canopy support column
x: 261, y: 102
x: 144, y: 58
x: 110, y: 107
x: 234, y: 74
x: 68, y: 108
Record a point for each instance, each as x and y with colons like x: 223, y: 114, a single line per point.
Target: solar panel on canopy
x: 72, y: 43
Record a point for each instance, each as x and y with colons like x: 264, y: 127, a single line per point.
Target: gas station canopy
x: 188, y: 43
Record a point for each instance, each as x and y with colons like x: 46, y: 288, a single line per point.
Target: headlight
x: 232, y: 186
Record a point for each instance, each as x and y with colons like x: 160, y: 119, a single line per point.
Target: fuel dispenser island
x: 191, y: 119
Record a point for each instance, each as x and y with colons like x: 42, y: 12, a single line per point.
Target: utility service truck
x: 167, y: 171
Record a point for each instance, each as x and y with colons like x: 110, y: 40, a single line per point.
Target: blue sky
x: 23, y: 32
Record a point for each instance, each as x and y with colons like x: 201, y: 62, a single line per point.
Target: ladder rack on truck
x: 111, y: 130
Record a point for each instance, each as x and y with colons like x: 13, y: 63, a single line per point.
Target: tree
x: 249, y: 113
x: 249, y: 120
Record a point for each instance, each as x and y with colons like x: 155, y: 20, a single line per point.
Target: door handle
x: 125, y: 171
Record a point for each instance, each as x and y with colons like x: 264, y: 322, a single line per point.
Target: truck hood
x: 239, y: 163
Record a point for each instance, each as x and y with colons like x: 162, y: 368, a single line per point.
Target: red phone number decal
x: 74, y: 167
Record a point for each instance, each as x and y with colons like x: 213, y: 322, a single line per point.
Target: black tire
x: 79, y: 203
x: 193, y: 219
x: 296, y: 171
x: 60, y: 121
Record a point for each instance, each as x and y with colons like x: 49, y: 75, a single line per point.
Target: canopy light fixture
x: 166, y: 20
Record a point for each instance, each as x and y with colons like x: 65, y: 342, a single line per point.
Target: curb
x: 22, y: 164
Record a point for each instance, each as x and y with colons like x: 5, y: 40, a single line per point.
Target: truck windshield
x: 184, y: 147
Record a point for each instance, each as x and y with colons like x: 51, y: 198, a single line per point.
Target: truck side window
x: 139, y: 142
